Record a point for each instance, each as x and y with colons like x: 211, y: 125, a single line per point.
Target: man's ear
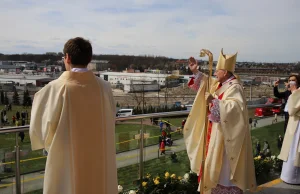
x: 68, y: 58
x: 226, y: 73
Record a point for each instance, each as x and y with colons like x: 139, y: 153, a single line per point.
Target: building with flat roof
x: 99, y: 65
x: 10, y: 69
x: 125, y: 78
x: 153, y: 81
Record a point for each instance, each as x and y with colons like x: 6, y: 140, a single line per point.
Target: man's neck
x: 78, y: 66
x: 77, y: 69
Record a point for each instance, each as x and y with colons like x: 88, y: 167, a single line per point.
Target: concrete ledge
x: 276, y: 186
x: 269, y: 184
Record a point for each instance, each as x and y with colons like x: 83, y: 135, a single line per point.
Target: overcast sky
x: 259, y: 30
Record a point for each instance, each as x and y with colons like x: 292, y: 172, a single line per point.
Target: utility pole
x: 250, y: 91
x: 143, y: 96
x: 158, y: 89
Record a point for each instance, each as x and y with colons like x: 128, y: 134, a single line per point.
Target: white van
x: 124, y: 112
x: 189, y: 106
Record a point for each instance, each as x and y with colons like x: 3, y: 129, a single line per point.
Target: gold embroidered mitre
x: 226, y: 62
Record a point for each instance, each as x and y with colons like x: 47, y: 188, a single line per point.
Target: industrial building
x: 143, y: 81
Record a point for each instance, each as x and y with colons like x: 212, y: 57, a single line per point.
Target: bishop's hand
x: 193, y: 65
x: 208, y: 97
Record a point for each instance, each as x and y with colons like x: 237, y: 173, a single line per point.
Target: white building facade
x: 136, y: 82
x: 141, y: 86
x: 115, y: 78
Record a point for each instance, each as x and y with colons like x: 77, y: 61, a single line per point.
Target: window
x: 124, y: 111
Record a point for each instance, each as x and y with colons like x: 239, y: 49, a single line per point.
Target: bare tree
x: 184, y: 92
x: 137, y: 95
x: 169, y: 83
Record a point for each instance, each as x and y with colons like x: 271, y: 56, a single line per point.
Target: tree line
x: 153, y: 109
x: 27, y: 101
x: 118, y: 62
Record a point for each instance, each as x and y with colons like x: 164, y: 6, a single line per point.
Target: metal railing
x: 15, y: 130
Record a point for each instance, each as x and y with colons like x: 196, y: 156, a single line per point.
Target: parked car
x: 277, y: 110
x: 124, y: 112
x: 269, y: 111
x: 262, y: 112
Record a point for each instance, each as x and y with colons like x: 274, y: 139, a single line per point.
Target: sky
x: 260, y: 31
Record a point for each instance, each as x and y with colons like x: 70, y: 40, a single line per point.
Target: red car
x: 262, y: 112
x: 277, y: 110
x: 269, y: 111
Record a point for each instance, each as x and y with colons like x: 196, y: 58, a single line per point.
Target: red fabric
x: 206, y: 147
x: 221, y: 96
x: 191, y: 82
x: 209, y: 130
x: 220, y: 85
x: 209, y: 134
x: 162, y: 146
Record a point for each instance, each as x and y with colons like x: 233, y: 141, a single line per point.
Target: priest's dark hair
x: 79, y: 50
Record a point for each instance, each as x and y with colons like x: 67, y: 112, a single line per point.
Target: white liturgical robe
x: 230, y: 138
x: 73, y: 118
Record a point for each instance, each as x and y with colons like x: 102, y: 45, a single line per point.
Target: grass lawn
x: 26, y: 166
x: 175, y: 121
x: 129, y: 174
x: 7, y: 143
x: 268, y: 133
x: 36, y: 192
x: 126, y: 132
x: 15, y: 108
x: 125, y: 136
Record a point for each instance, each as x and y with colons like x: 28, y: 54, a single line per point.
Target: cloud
x: 258, y: 30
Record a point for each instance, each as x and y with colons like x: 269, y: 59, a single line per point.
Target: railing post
x: 141, y: 154
x: 158, y: 153
x: 17, y: 158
